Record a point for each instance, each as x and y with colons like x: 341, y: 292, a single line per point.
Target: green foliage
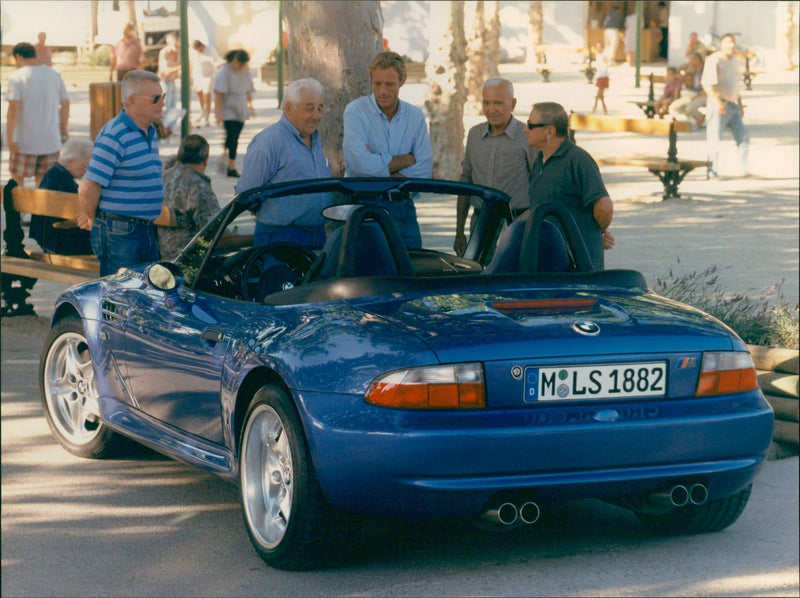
x: 101, y: 56
x: 767, y: 319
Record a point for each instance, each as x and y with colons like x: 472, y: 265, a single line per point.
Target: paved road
x: 147, y: 526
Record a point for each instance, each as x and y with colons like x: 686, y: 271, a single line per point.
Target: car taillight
x: 458, y: 386
x: 726, y: 372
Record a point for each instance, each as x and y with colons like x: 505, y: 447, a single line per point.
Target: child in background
x: 601, y: 77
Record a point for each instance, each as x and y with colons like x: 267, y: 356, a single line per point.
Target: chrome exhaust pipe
x: 529, y: 513
x: 679, y: 495
x: 698, y: 494
x: 504, y: 514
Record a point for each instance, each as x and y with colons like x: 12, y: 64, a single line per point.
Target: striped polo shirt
x: 126, y: 165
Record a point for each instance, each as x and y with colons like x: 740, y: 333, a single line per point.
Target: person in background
x: 695, y: 46
x: 290, y: 150
x: 204, y: 64
x: 721, y: 83
x: 601, y: 77
x: 497, y: 155
x: 169, y: 69
x: 612, y: 24
x: 689, y: 105
x: 122, y: 192
x: 127, y: 54
x: 188, y: 195
x: 385, y: 136
x: 233, y: 94
x: 44, y: 54
x: 566, y: 174
x: 66, y: 238
x: 630, y: 38
x: 672, y: 91
x: 37, y: 116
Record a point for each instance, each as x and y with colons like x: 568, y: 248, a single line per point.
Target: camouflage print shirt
x: 188, y: 195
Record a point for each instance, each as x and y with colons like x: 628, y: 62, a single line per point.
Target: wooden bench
x: 748, y: 75
x: 21, y: 268
x: 669, y: 169
x: 648, y: 106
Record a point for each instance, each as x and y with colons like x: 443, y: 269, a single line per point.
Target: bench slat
x: 652, y: 162
x: 590, y: 122
x: 79, y: 262
x: 59, y: 204
x: 41, y: 270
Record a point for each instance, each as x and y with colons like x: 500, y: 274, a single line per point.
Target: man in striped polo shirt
x: 122, y: 191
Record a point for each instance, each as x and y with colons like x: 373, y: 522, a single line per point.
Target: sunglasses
x: 537, y: 125
x: 153, y: 99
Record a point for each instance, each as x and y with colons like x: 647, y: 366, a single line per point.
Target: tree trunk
x: 334, y: 42
x: 446, y: 92
x: 475, y: 30
x: 492, y: 39
x: 130, y: 8
x: 535, y: 47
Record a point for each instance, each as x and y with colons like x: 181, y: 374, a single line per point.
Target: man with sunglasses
x: 565, y: 173
x: 122, y: 192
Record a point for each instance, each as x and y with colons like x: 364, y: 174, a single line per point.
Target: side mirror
x: 166, y: 277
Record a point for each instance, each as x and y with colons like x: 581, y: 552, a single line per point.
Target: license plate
x: 621, y: 381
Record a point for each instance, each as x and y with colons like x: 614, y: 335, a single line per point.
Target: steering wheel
x: 346, y: 260
x: 272, y: 268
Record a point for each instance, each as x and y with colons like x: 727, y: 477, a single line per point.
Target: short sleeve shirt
x: 40, y: 91
x: 500, y: 161
x: 724, y: 73
x: 126, y: 165
x: 570, y: 177
x: 234, y: 87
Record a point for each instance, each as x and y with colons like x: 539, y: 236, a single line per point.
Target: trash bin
x: 105, y: 102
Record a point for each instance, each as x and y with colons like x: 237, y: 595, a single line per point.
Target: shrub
x: 767, y: 319
x: 100, y: 56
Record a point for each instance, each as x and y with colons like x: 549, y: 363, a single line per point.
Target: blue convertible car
x: 368, y: 379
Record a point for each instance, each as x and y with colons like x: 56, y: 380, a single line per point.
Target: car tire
x: 69, y: 394
x: 713, y: 516
x: 290, y: 523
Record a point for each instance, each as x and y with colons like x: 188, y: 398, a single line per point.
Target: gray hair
x: 296, y: 88
x: 76, y: 148
x: 497, y: 82
x: 133, y: 83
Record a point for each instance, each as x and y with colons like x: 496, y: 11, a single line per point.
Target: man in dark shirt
x: 566, y: 174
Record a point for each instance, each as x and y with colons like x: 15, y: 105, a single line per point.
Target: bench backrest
x: 646, y: 126
x: 59, y: 204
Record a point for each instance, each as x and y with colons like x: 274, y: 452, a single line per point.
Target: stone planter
x: 778, y: 378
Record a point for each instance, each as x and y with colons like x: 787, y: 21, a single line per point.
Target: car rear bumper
x: 449, y: 464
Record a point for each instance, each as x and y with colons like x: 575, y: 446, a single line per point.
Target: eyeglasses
x: 153, y: 99
x: 537, y: 125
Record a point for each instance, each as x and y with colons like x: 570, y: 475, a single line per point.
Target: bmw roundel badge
x: 586, y: 327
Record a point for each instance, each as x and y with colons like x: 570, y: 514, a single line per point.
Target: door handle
x: 214, y: 335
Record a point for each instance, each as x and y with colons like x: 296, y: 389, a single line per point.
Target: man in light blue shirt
x: 384, y: 136
x: 290, y: 150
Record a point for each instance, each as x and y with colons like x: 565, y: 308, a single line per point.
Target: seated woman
x: 67, y: 238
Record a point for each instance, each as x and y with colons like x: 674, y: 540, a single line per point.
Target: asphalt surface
x: 148, y: 526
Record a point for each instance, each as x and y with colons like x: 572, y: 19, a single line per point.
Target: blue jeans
x: 404, y: 213
x: 119, y: 243
x: 312, y: 237
x: 716, y: 124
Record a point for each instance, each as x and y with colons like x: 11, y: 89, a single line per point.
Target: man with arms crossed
x: 497, y: 155
x: 122, y: 192
x: 385, y: 136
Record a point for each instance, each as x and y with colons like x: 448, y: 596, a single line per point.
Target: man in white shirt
x: 721, y: 83
x: 385, y: 136
x: 37, y: 116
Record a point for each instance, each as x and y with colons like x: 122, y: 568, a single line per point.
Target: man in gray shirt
x: 497, y: 155
x: 721, y: 83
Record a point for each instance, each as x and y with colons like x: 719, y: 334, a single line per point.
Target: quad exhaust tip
x: 510, y: 514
